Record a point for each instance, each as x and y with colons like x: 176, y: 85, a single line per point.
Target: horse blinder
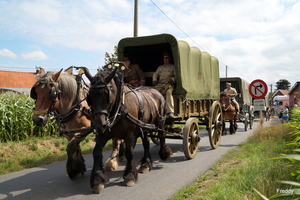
x: 53, y: 93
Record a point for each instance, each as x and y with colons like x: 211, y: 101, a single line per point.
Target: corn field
x: 15, y: 118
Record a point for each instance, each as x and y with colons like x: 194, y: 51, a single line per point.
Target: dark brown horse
x: 229, y: 113
x: 124, y: 113
x: 62, y: 94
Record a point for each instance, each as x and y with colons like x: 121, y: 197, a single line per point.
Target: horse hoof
x: 78, y: 176
x: 144, y: 170
x: 111, y: 165
x: 129, y: 183
x: 97, y: 188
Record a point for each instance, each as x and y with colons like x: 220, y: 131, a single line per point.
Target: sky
x: 255, y: 39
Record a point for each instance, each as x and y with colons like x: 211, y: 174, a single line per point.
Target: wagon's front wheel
x: 191, y: 138
x: 215, y: 124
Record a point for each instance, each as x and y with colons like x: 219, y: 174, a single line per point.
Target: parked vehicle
x: 278, y: 104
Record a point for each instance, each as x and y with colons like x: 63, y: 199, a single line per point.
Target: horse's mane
x: 66, y: 84
x: 223, y: 94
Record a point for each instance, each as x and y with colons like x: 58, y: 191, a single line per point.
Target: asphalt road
x: 51, y: 181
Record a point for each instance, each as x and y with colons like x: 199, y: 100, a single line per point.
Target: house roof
x: 12, y: 79
x: 280, y: 92
x: 294, y: 86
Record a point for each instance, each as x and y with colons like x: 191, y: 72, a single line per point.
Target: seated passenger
x: 164, y: 80
x: 231, y: 92
x: 134, y: 76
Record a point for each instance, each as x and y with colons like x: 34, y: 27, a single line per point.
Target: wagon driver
x: 164, y: 80
x: 135, y: 75
x: 231, y: 92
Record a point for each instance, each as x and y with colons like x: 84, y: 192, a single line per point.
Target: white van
x: 279, y: 103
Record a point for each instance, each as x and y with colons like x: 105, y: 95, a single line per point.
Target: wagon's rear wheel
x: 191, y: 138
x: 215, y: 124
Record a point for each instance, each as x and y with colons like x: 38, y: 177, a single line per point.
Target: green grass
x: 244, y: 168
x: 15, y: 156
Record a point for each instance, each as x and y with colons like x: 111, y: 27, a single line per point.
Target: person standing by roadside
x: 285, y: 114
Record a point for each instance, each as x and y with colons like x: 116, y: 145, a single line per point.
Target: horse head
x: 224, y: 99
x: 102, y: 98
x: 46, y: 93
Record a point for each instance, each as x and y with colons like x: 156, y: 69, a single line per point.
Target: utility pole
x: 135, y: 28
x: 226, y: 71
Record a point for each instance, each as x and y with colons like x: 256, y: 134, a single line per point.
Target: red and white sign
x: 258, y: 89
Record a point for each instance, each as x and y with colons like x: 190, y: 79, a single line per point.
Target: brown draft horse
x: 124, y: 113
x: 229, y: 113
x: 66, y: 97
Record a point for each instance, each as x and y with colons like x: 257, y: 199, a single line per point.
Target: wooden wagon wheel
x: 191, y: 138
x: 215, y: 124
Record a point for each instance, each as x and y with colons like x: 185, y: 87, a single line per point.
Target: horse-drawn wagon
x: 196, y: 91
x: 243, y: 98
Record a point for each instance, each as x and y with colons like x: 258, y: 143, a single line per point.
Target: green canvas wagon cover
x: 197, y: 73
x: 242, y: 88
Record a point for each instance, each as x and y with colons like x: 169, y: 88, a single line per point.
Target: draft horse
x: 121, y: 112
x: 229, y: 113
x: 60, y: 93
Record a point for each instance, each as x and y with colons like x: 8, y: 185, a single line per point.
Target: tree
x: 111, y: 57
x: 283, y: 84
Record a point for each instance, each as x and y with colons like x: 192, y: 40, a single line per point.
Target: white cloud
x: 256, y: 39
x: 7, y: 53
x: 35, y: 55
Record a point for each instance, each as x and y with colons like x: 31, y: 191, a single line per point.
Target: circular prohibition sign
x: 258, y: 89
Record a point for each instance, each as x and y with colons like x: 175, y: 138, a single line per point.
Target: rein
x: 227, y: 109
x: 113, y: 116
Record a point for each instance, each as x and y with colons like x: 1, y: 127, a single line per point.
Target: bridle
x: 54, y: 94
x: 227, y: 101
x: 108, y: 87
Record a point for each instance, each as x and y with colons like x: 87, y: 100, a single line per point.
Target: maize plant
x: 15, y: 118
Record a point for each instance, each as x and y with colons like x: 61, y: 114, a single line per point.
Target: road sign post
x: 258, y: 90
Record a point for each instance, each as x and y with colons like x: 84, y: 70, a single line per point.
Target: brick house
x: 17, y: 81
x: 294, y: 94
x: 278, y: 93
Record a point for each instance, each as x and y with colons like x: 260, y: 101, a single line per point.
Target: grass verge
x: 244, y: 168
x: 15, y: 156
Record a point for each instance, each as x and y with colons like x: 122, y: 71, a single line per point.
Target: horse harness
x: 115, y: 115
x: 227, y: 109
x: 55, y: 94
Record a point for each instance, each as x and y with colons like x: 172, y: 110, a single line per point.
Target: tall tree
x: 283, y: 84
x: 111, y: 56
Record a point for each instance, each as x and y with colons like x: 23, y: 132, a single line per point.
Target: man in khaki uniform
x: 164, y: 80
x: 134, y: 76
x: 231, y: 92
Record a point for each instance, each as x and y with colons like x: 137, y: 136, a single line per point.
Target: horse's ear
x: 111, y: 75
x: 57, y: 76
